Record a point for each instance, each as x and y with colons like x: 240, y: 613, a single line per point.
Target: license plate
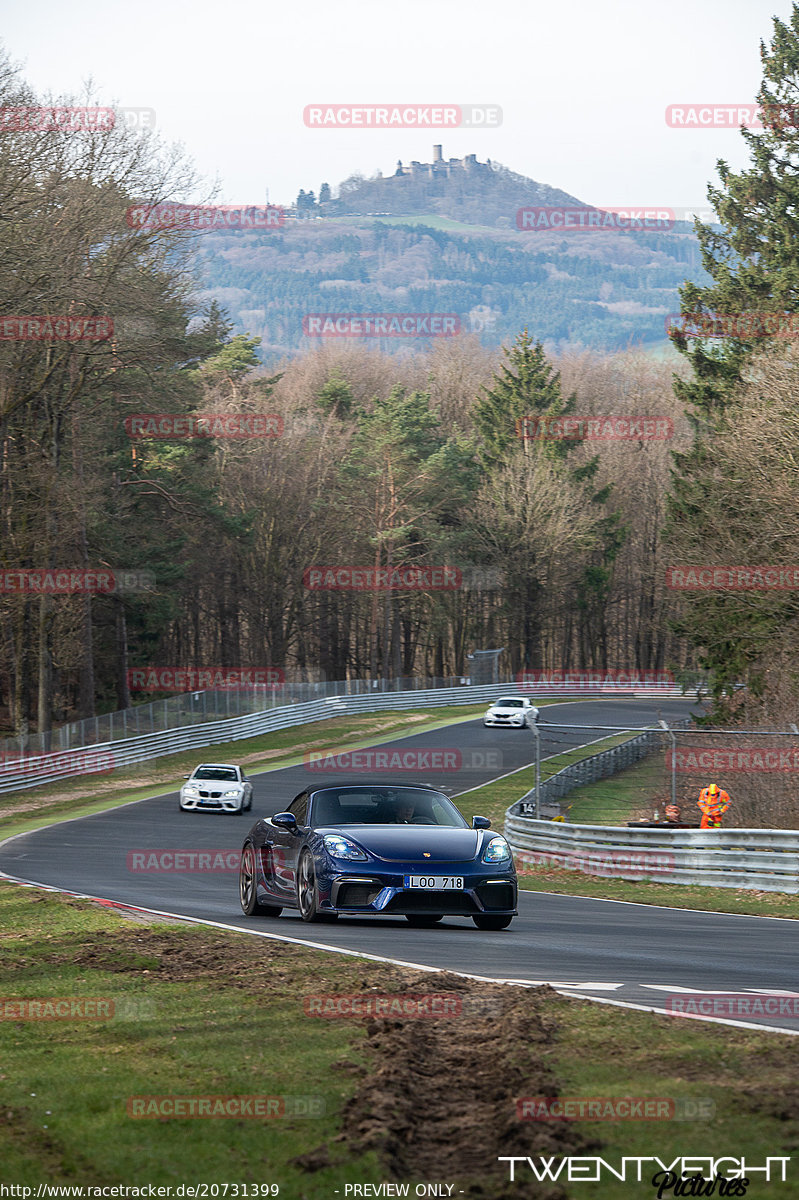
x: 435, y: 883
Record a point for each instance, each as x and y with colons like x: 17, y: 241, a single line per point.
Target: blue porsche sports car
x: 378, y: 849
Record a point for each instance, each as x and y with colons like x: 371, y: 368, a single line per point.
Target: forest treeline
x: 389, y: 462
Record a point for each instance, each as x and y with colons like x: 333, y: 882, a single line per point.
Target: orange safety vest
x: 712, y: 808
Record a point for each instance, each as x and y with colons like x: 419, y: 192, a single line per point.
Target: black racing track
x: 635, y: 954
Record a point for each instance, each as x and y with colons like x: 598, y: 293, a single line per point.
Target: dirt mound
x: 439, y: 1102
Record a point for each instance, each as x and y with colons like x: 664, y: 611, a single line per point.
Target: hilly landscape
x: 441, y: 237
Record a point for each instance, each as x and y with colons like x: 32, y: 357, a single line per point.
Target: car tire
x: 423, y: 920
x: 489, y: 921
x: 307, y: 892
x: 248, y: 892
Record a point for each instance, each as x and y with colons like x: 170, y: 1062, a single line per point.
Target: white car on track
x: 515, y: 712
x: 220, y: 786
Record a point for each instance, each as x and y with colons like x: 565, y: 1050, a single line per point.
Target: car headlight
x: 497, y: 850
x: 341, y: 847
x: 231, y: 794
x: 190, y: 790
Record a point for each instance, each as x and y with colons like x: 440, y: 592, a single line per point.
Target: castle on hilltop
x: 441, y: 167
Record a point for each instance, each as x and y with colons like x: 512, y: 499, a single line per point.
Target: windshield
x: 384, y: 806
x: 508, y: 702
x: 216, y: 773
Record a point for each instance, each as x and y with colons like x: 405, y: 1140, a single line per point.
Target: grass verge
x: 202, y: 1013
x: 675, y: 895
x: 20, y: 811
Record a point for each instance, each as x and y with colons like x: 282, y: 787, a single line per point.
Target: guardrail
x: 762, y: 859
x: 22, y: 771
x: 594, y: 767
x: 201, y: 707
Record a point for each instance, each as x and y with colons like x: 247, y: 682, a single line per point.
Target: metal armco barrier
x: 589, y: 770
x: 34, y: 770
x: 762, y: 859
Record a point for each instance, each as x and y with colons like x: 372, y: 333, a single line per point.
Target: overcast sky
x: 583, y: 85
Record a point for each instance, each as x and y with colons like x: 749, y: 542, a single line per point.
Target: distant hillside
x: 441, y: 237
x: 463, y: 189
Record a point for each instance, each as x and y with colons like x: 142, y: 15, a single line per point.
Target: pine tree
x: 526, y: 386
x: 753, y: 261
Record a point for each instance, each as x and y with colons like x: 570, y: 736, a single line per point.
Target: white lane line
x: 708, y: 912
x: 280, y: 937
x: 661, y: 1012
x: 693, y: 991
x: 597, y: 987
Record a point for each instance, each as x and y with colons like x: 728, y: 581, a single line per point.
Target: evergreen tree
x: 753, y: 261
x: 526, y: 386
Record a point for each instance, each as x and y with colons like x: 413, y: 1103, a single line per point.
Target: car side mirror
x: 481, y: 823
x: 187, y: 776
x: 285, y: 821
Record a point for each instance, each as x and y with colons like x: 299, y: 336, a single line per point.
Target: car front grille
x: 413, y: 901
